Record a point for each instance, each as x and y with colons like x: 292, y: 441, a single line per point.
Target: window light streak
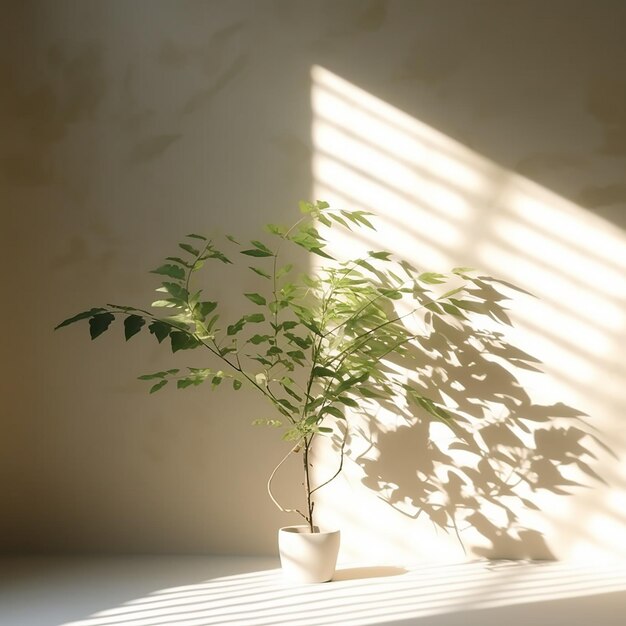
x: 577, y: 266
x: 437, y: 143
x: 608, y: 531
x: 552, y: 287
x: 416, y: 243
x: 363, y: 157
x: 574, y: 261
x: 369, y: 193
x: 548, y: 214
x: 146, y: 607
x: 389, y: 173
x: 349, y: 245
x: 388, y: 170
x: 567, y: 329
x: 421, y: 592
x: 551, y: 351
x: 385, y: 137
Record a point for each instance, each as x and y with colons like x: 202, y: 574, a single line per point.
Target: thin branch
x: 342, y: 455
x: 271, y: 478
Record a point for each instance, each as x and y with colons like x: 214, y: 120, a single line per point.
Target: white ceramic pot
x: 308, y: 557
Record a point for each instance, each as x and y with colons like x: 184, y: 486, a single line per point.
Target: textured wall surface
x: 125, y: 125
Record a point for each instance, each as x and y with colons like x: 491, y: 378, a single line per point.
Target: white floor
x: 195, y: 591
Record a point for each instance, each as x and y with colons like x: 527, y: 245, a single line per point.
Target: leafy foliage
x: 317, y: 347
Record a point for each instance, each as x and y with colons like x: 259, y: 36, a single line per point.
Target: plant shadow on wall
x: 497, y: 447
x: 332, y: 349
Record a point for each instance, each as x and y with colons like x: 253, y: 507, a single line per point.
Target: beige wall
x: 127, y: 124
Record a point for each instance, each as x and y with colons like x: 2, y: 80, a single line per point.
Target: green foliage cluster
x: 316, y: 345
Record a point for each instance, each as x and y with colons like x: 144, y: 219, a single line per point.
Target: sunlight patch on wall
x: 440, y: 205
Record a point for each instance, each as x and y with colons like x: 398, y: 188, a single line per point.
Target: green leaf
x: 301, y: 342
x: 298, y: 356
x: 204, y: 308
x: 335, y: 412
x: 382, y: 256
x: 257, y: 339
x: 451, y: 309
x: 176, y: 291
x: 159, y: 385
x: 360, y: 217
x: 167, y: 303
x: 339, y: 220
x: 177, y: 259
x: 324, y: 371
x: 160, y: 330
x: 157, y: 375
x: 312, y: 326
x: 99, y: 323
x: 212, y: 322
x: 187, y: 248
x: 321, y: 253
x: 366, y: 392
x: 350, y: 382
x: 276, y: 229
x: 212, y: 253
x: 182, y: 341
x: 256, y: 298
x: 348, y: 402
x: 309, y: 242
x: 291, y: 392
x: 311, y: 406
x: 261, y: 246
x: 366, y: 265
x: 132, y: 325
x: 255, y: 318
x: 173, y: 271
x: 260, y: 272
x: 324, y: 220
x: 81, y: 316
x: 392, y: 294
x: 432, y: 278
x: 287, y: 405
x: 433, y: 306
x: 324, y: 429
x: 451, y: 292
x: 231, y: 238
x: 284, y: 270
x: 305, y: 207
x: 236, y: 384
x: 256, y: 252
x: 233, y: 329
x: 194, y: 236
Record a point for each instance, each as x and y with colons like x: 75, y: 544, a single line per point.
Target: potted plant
x: 316, y: 345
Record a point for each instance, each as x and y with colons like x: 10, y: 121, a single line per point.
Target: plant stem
x: 271, y: 478
x: 307, y: 482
